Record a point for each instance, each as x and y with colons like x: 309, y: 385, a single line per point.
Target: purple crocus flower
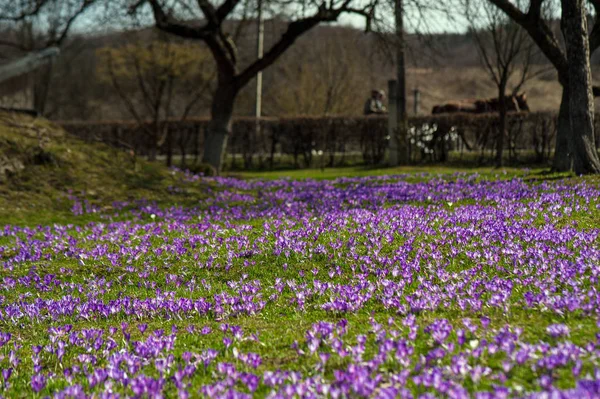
x: 38, y: 382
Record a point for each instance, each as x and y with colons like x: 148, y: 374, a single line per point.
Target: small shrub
x: 40, y: 156
x: 203, y: 169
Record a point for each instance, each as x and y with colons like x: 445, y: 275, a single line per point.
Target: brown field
x: 441, y: 85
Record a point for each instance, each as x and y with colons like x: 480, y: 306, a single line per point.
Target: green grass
x: 37, y: 195
x: 39, y: 192
x: 278, y: 326
x: 359, y: 171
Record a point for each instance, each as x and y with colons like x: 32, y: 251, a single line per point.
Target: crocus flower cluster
x: 394, y: 286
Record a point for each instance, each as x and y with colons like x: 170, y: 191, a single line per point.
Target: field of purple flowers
x: 389, y: 286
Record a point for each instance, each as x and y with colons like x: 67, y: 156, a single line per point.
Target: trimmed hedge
x: 330, y: 141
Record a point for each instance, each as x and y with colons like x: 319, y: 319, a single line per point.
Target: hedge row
x: 331, y: 140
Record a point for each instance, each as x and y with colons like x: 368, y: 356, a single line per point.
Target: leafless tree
x: 581, y: 100
x: 574, y: 149
x: 31, y: 25
x: 319, y: 77
x: 147, y: 76
x: 177, y: 18
x: 505, y: 51
x: 422, y: 12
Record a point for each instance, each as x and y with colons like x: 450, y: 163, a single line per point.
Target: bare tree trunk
x: 183, y: 155
x: 219, y: 128
x: 41, y: 87
x: 169, y: 148
x: 582, y: 146
x: 562, y: 158
x: 155, y: 133
x: 398, y: 140
x: 501, y: 124
x: 152, y: 153
x: 197, y: 134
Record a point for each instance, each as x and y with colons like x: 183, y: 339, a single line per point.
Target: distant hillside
x: 329, y: 61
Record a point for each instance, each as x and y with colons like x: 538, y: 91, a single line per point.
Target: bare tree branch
x: 58, y: 41
x: 169, y: 25
x: 118, y: 88
x: 14, y: 44
x: 210, y: 13
x: 226, y: 8
x: 5, y: 15
x: 535, y: 10
x: 594, y: 35
x: 539, y: 31
x: 295, y: 29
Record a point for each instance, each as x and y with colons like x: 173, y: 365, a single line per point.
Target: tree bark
x: 219, y: 128
x: 153, y: 150
x: 399, y: 139
x: 169, y: 142
x: 41, y: 87
x: 543, y: 36
x: 224, y: 52
x: 562, y: 158
x: 581, y: 106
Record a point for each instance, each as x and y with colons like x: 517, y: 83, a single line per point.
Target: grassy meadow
x: 122, y: 278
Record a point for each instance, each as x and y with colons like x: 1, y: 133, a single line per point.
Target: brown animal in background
x: 522, y: 102
x: 454, y: 107
x: 514, y: 103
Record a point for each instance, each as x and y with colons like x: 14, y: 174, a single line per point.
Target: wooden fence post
x: 392, y: 124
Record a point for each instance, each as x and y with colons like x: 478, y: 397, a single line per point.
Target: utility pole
x: 417, y: 103
x: 260, y: 34
x: 398, y: 141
